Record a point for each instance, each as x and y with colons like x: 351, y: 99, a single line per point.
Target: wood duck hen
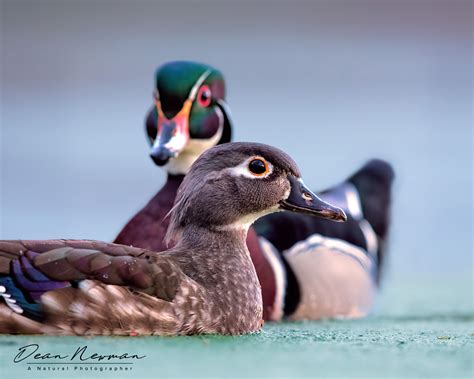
x: 189, y: 116
x: 206, y: 283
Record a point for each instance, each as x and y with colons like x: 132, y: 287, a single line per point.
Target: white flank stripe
x: 370, y: 237
x: 353, y: 201
x: 355, y: 208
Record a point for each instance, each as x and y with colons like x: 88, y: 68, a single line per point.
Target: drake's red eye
x: 204, y: 96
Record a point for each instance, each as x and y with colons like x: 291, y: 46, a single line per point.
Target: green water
x: 421, y: 329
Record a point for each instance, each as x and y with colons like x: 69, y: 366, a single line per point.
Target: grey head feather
x: 212, y: 197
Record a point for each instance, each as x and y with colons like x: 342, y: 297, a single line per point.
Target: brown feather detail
x: 12, y: 247
x: 98, y: 309
x: 6, y: 255
x: 9, y: 251
x: 4, y: 265
x: 161, y: 298
x: 86, y: 262
x: 167, y: 279
x: 79, y: 258
x: 13, y: 323
x: 41, y: 246
x: 55, y: 265
x: 133, y: 271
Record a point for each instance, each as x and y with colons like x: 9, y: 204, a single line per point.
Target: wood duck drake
x: 205, y: 284
x: 189, y: 116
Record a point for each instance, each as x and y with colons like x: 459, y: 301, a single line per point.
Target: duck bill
x: 302, y: 200
x: 173, y: 135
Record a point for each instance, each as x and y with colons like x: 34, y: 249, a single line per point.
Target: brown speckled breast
x: 148, y: 227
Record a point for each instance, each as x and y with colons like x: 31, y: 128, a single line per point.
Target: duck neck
x: 173, y: 182
x: 220, y: 262
x: 164, y: 199
x: 219, y: 251
x: 233, y: 239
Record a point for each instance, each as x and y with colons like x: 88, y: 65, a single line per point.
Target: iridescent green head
x: 189, y: 116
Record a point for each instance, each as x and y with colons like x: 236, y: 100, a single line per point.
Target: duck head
x: 189, y: 115
x: 231, y: 185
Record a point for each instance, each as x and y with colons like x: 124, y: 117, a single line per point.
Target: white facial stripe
x: 243, y: 170
x: 220, y: 115
x: 194, y: 90
x: 226, y: 108
x: 188, y: 151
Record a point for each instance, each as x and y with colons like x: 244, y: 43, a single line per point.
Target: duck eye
x: 204, y: 96
x: 258, y: 167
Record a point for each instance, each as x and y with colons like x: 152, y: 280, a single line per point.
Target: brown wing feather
x: 122, y: 289
x: 72, y: 260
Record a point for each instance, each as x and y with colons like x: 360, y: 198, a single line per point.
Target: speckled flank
x: 165, y: 294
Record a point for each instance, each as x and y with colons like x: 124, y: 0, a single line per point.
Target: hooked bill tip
x: 160, y: 158
x: 336, y: 214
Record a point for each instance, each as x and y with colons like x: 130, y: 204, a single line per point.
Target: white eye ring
x: 256, y: 165
x: 244, y: 170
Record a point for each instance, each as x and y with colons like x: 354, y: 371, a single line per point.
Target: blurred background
x: 333, y: 83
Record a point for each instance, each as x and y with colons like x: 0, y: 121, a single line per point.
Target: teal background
x: 333, y: 83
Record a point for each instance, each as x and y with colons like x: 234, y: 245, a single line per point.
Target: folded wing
x: 59, y: 268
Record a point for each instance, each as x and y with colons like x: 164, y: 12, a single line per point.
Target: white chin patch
x: 245, y: 222
x: 195, y: 147
x: 175, y: 144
